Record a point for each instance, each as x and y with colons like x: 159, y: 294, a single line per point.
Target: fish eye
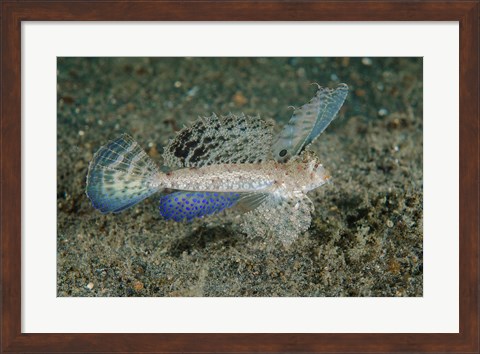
x: 283, y: 153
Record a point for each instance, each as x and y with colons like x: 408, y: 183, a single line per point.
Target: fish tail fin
x: 120, y: 175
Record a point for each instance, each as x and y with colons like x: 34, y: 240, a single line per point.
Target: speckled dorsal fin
x: 308, y: 122
x: 216, y: 140
x: 283, y: 218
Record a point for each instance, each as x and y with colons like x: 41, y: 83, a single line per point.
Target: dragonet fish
x: 232, y: 161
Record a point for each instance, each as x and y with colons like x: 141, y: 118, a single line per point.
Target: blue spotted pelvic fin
x: 120, y: 175
x: 308, y: 122
x: 220, y: 140
x: 187, y: 205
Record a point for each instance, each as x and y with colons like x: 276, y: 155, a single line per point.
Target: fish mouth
x: 322, y: 174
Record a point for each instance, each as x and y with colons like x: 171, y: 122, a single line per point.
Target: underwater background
x: 366, y: 237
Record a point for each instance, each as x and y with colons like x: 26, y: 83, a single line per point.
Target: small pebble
x: 177, y: 84
x: 301, y: 72
x: 90, y: 285
x: 367, y: 61
x: 360, y: 92
x: 390, y: 223
x: 81, y: 133
x: 138, y: 286
x: 239, y: 99
x: 193, y: 91
x: 382, y: 112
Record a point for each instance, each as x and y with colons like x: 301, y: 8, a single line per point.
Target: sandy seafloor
x: 366, y: 237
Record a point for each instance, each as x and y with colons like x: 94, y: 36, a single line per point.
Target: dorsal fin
x: 308, y: 122
x: 214, y: 140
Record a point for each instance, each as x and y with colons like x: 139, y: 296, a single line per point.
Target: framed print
x: 238, y: 176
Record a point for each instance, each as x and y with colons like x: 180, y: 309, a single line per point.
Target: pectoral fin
x: 282, y: 218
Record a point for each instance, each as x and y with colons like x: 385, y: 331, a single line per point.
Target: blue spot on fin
x: 189, y: 205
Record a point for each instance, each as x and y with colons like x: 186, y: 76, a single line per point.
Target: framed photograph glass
x: 215, y: 177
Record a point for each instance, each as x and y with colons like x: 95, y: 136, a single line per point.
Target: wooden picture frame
x: 14, y: 12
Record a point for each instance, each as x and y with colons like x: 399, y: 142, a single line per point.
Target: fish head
x: 314, y: 174
x: 318, y: 175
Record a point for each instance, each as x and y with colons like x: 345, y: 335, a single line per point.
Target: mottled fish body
x: 224, y: 162
x: 267, y: 177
